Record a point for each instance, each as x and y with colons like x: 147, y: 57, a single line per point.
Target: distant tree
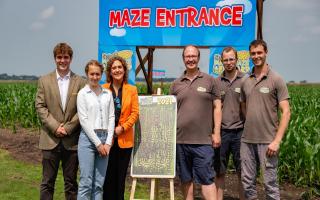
x: 15, y: 77
x: 304, y: 81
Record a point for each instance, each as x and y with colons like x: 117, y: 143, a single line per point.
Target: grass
x: 21, y: 181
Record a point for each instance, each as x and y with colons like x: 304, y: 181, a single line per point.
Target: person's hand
x: 102, y: 150
x: 61, y: 131
x: 118, y: 130
x: 107, y: 147
x: 273, y: 148
x: 216, y: 140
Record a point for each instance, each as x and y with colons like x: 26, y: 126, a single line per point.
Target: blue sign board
x: 212, y: 23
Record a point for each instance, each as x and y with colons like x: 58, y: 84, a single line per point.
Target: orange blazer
x: 129, y: 114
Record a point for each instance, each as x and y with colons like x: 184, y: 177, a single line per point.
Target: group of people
x: 86, y: 125
x: 90, y: 125
x: 233, y: 114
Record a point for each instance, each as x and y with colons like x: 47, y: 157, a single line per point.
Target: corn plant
x: 299, y: 157
x: 300, y: 149
x: 17, y: 105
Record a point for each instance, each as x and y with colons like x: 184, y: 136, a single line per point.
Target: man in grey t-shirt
x: 262, y: 94
x: 230, y: 82
x: 198, y: 125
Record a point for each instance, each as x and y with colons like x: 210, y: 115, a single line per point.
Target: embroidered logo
x: 264, y: 90
x: 201, y: 89
x: 237, y: 90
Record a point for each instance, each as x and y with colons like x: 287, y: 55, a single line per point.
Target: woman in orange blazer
x: 126, y: 108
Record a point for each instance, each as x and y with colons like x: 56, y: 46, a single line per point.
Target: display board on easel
x: 154, y: 150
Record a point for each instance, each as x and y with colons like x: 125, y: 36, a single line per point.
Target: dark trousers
x: 114, y: 184
x: 50, y: 166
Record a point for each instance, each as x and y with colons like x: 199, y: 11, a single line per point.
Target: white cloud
x: 47, y: 13
x: 35, y: 26
x: 44, y: 15
x: 247, y: 4
x: 118, y: 32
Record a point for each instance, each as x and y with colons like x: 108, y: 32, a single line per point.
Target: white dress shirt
x: 96, y: 113
x: 63, y: 83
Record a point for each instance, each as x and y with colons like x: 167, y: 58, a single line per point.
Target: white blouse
x: 96, y: 113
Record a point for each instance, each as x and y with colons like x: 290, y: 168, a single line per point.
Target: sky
x: 30, y: 29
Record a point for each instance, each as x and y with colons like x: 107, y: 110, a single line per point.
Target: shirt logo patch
x: 201, y: 89
x: 237, y: 90
x: 264, y: 90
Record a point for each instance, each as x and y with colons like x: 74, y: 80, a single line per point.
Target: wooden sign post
x: 154, y: 151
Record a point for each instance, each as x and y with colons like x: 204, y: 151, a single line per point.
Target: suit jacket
x: 49, y: 108
x: 129, y: 114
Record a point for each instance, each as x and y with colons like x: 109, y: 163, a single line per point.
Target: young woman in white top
x: 96, y: 114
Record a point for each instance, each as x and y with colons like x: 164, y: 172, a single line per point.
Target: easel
x: 154, y: 191
x: 147, y: 162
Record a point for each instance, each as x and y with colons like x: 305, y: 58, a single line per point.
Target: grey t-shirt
x: 195, y: 108
x: 262, y: 102
x: 230, y: 98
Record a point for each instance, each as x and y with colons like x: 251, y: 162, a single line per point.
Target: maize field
x: 299, y: 161
x: 17, y: 106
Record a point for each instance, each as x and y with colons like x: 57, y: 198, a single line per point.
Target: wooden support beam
x: 149, y: 86
x: 150, y: 69
x: 260, y: 15
x: 144, y: 60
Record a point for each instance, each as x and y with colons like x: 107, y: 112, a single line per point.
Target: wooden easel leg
x: 133, y: 188
x: 157, y: 188
x: 152, y: 190
x: 171, y: 189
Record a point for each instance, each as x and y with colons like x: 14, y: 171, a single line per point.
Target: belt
x: 232, y: 130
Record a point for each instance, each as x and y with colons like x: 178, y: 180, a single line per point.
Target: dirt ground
x: 23, y: 146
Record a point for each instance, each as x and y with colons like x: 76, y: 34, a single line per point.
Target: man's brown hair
x: 256, y: 43
x: 62, y: 48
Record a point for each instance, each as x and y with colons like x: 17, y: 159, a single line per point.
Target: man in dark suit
x: 56, y: 106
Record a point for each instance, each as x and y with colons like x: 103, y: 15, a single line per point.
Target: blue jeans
x: 230, y: 144
x: 93, y: 168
